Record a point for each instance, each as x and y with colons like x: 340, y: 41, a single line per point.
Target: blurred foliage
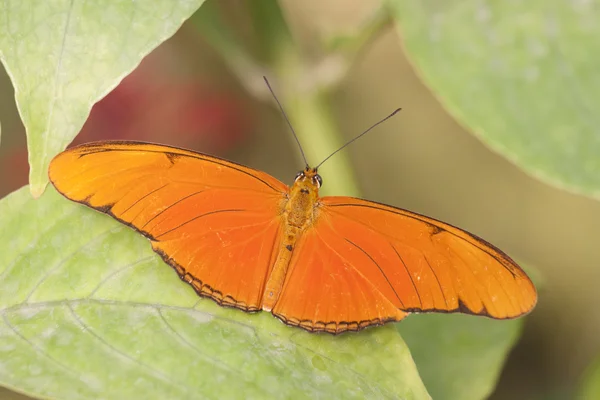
x: 459, y: 356
x: 509, y: 70
x: 590, y: 388
x: 458, y: 50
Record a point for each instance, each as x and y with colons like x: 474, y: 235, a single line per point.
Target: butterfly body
x: 299, y: 213
x: 325, y: 264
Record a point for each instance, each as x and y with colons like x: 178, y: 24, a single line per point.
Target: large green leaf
x: 521, y: 75
x: 458, y: 356
x: 65, y: 55
x: 89, y: 311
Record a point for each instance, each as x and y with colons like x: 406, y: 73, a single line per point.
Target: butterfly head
x: 309, y: 177
x: 307, y: 184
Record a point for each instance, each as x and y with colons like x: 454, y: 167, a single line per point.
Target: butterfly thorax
x: 303, y: 195
x: 298, y: 215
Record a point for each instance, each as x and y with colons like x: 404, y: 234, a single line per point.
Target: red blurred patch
x: 14, y: 170
x: 149, y: 107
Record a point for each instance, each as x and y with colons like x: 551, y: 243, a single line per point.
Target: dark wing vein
x: 380, y: 270
x: 170, y: 206
x: 438, y: 281
x: 195, y: 218
x: 409, y: 274
x: 479, y: 242
x: 143, y: 197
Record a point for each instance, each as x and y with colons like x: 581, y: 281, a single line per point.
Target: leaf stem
x: 301, y: 86
x: 210, y: 25
x: 311, y: 115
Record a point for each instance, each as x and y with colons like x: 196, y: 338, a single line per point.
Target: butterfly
x: 325, y: 264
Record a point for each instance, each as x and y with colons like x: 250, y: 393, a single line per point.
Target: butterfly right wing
x: 216, y: 222
x: 361, y: 263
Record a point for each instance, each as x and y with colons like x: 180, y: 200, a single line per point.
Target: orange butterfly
x: 246, y: 240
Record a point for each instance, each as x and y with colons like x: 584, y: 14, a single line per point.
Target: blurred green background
x: 185, y: 94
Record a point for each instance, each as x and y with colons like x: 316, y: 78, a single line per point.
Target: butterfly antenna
x: 359, y: 136
x: 287, y: 119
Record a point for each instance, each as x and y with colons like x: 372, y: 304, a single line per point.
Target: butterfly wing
x: 216, y: 222
x: 362, y: 263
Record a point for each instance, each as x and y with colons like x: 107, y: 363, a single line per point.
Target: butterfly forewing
x: 422, y: 264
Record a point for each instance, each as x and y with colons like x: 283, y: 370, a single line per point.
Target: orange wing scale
x: 364, y: 263
x: 217, y: 223
x: 223, y: 227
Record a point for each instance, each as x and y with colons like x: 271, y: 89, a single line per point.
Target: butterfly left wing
x: 215, y: 222
x: 362, y: 263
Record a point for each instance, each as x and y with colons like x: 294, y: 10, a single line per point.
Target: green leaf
x: 590, y: 389
x: 521, y: 75
x: 459, y: 356
x: 89, y: 311
x: 64, y: 55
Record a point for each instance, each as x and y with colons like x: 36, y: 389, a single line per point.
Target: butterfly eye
x: 318, y: 180
x: 299, y: 175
